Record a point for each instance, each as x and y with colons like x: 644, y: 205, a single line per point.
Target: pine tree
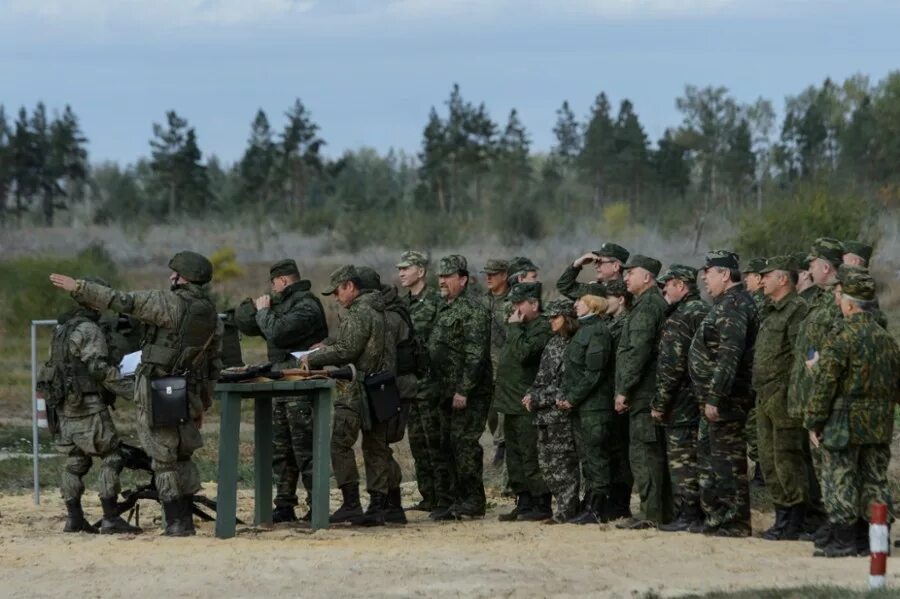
x: 300, y: 162
x: 6, y: 164
x: 673, y: 172
x: 177, y: 168
x: 257, y: 166
x: 632, y: 152
x: 66, y: 163
x: 433, y: 157
x: 568, y: 135
x: 597, y: 160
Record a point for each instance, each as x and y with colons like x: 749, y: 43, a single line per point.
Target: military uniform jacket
x: 568, y: 285
x: 615, y: 324
x: 674, y: 393
x: 590, y: 366
x: 400, y: 323
x: 547, y: 387
x: 459, y: 350
x: 423, y: 311
x: 858, y: 372
x: 775, y: 356
x: 720, y: 361
x: 500, y: 310
x: 364, y: 340
x: 822, y: 319
x: 763, y: 303
x: 86, y: 348
x: 638, y: 348
x: 519, y: 363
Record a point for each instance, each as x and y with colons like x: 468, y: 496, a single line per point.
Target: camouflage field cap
x: 613, y: 250
x: 368, y: 278
x: 524, y: 291
x: 345, y: 273
x: 284, y: 268
x: 802, y: 260
x: 494, y: 266
x: 192, y: 266
x: 859, y: 248
x: 521, y: 264
x: 722, y: 259
x: 412, y: 258
x: 452, y: 265
x: 688, y: 274
x: 785, y: 262
x: 651, y: 265
x: 560, y: 307
x: 856, y: 282
x: 615, y: 287
x: 755, y: 266
x: 827, y: 248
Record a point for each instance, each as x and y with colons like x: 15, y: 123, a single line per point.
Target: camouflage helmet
x: 560, y: 307
x: 192, y: 266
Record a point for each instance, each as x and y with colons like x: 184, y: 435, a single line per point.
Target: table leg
x: 323, y: 400
x: 262, y: 460
x: 229, y: 440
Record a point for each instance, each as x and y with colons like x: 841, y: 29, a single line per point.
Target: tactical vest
x: 65, y: 375
x: 183, y: 349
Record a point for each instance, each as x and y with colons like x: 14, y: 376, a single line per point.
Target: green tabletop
x: 230, y: 396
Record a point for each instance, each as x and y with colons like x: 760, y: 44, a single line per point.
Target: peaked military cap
x: 827, y: 248
x: 856, y: 282
x: 802, y: 260
x: 284, y: 268
x: 688, y: 274
x: 754, y: 266
x: 452, y: 265
x: 369, y: 278
x: 615, y: 287
x: 613, y: 250
x: 722, y: 259
x: 785, y: 262
x: 860, y: 249
x: 524, y: 291
x: 521, y: 264
x: 345, y: 273
x: 651, y: 265
x: 495, y: 265
x: 560, y: 307
x: 412, y: 258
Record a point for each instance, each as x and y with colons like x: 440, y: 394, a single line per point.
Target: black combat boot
x: 794, y: 525
x: 758, y: 480
x: 842, y: 543
x: 422, y: 506
x: 541, y: 509
x: 112, y: 522
x: 595, y: 508
x: 350, y: 508
x: 781, y: 521
x: 523, y: 504
x: 689, y: 518
x: 823, y: 535
x: 75, y: 521
x: 499, y: 455
x: 375, y: 513
x: 619, y: 504
x: 394, y: 511
x: 862, y: 538
x: 439, y: 512
x: 179, y: 520
x: 283, y: 513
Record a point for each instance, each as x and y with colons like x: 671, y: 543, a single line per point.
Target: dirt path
x: 471, y: 559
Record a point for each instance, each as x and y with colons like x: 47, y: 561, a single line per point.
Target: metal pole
x: 34, y: 424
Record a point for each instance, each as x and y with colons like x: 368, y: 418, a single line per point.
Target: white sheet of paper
x: 301, y: 354
x: 130, y: 363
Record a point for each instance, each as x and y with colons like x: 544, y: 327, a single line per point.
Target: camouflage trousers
x: 80, y: 440
x: 781, y: 458
x: 752, y: 438
x: 593, y: 440
x: 521, y: 455
x: 853, y: 479
x: 424, y: 431
x: 681, y: 449
x: 649, y: 465
x: 292, y: 448
x: 558, y: 459
x: 620, y: 476
x: 463, y: 465
x: 382, y: 470
x: 722, y: 457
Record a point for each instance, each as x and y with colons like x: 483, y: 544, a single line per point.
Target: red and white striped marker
x: 878, y: 546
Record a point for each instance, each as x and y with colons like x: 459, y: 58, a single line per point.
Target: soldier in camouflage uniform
x: 857, y: 253
x: 527, y: 333
x: 635, y: 388
x: 183, y: 335
x: 753, y: 283
x: 290, y: 318
x: 675, y: 404
x: 366, y: 341
x: 806, y: 288
x: 495, y: 299
x: 720, y: 363
x: 80, y: 351
x: 521, y: 270
x: 608, y: 262
x: 557, y: 455
x: 424, y: 426
x: 850, y: 415
x: 459, y: 349
x: 781, y: 437
x: 621, y: 479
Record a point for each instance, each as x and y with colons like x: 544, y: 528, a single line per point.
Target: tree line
x: 471, y: 172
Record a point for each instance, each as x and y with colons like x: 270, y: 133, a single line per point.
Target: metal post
x: 34, y: 424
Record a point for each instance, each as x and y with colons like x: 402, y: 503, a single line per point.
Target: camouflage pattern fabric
x: 854, y: 478
x: 568, y: 284
x: 621, y: 478
x: 724, y: 489
x: 813, y: 334
x: 684, y: 471
x: 292, y: 442
x: 81, y: 439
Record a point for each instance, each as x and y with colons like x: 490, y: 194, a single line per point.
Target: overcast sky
x: 369, y: 70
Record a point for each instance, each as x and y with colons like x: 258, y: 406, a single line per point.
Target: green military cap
x: 722, y: 259
x: 345, y: 273
x: 412, y: 258
x: 521, y: 264
x: 560, y: 307
x: 860, y: 249
x: 688, y: 274
x: 801, y: 259
x: 827, y: 248
x: 856, y: 282
x: 452, y: 265
x: 613, y: 250
x: 192, y: 266
x: 651, y: 265
x: 284, y: 268
x: 785, y: 262
x: 754, y: 266
x: 524, y: 291
x: 495, y: 265
x: 615, y: 287
x: 368, y: 278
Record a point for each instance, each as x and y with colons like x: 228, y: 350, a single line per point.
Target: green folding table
x: 230, y: 396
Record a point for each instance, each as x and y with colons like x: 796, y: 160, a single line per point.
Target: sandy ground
x: 483, y: 558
